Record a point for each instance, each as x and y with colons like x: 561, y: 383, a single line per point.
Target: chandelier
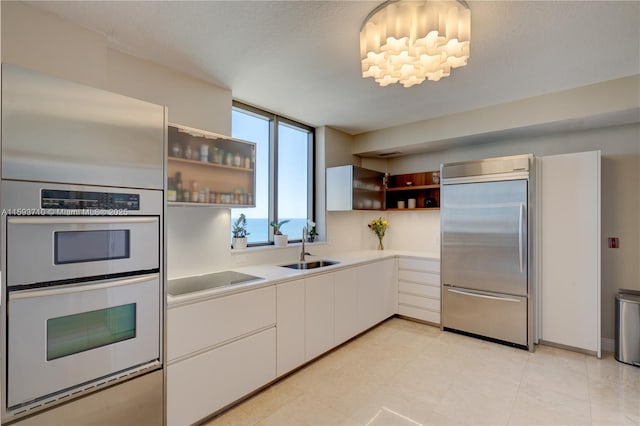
x: 408, y: 42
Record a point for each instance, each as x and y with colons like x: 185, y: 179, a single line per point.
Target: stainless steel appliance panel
x: 494, y: 315
x: 490, y: 166
x: 628, y: 327
x: 134, y: 402
x: 54, y: 344
x: 38, y: 240
x: 55, y: 130
x: 484, y: 236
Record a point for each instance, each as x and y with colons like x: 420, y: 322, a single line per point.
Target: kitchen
x: 35, y: 38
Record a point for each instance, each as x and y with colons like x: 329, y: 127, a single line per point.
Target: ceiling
x: 301, y: 59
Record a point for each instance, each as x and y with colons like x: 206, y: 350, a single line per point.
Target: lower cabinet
x: 205, y: 383
x: 377, y: 292
x: 219, y: 350
x: 345, y: 293
x: 419, y: 289
x: 318, y: 315
x: 290, y: 326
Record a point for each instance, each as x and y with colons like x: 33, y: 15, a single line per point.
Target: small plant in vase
x: 240, y: 232
x: 379, y: 227
x: 279, y: 239
x: 313, y: 233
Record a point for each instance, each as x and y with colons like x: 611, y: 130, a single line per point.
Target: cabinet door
x: 377, y: 292
x: 318, y: 315
x: 240, y: 314
x: 346, y: 305
x: 290, y: 326
x: 203, y: 384
x: 570, y: 238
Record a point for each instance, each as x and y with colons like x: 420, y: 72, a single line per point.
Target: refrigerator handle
x: 520, y: 222
x: 483, y: 296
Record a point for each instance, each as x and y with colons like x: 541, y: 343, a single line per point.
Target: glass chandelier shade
x: 408, y: 42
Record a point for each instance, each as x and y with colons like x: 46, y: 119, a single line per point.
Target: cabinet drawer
x: 200, y: 386
x: 421, y: 314
x: 419, y: 302
x: 419, y: 289
x: 204, y: 324
x: 419, y: 277
x: 426, y: 265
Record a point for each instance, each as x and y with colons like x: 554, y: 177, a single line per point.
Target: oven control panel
x: 72, y: 200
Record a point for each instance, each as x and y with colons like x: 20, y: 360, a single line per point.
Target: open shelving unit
x: 421, y: 186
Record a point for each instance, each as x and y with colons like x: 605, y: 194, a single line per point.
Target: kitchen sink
x: 310, y: 265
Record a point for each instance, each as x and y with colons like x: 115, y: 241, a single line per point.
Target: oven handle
x: 81, y: 220
x: 77, y: 288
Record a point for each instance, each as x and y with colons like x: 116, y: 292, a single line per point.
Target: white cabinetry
x: 219, y: 350
x: 318, y: 315
x: 377, y: 292
x: 205, y: 383
x: 570, y: 249
x: 346, y: 305
x: 419, y: 289
x: 290, y: 326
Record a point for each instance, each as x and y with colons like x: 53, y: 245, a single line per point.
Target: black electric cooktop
x: 180, y: 286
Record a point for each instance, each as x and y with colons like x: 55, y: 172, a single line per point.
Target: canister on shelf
x: 187, y: 152
x: 237, y: 160
x: 204, y: 152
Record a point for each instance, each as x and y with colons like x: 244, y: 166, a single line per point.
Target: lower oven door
x: 63, y: 338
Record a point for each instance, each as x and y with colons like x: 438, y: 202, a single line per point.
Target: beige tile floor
x: 405, y: 373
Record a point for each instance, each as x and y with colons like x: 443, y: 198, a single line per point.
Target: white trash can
x: 628, y: 327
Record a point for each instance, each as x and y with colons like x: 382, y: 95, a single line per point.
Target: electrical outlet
x: 614, y: 242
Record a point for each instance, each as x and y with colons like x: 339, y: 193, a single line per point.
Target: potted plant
x: 313, y: 233
x: 240, y: 232
x: 279, y: 239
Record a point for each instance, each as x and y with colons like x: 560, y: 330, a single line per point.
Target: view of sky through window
x: 292, y: 179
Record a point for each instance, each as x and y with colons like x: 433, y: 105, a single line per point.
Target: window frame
x: 274, y: 122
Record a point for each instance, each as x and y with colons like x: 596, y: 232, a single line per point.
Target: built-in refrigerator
x: 487, y: 224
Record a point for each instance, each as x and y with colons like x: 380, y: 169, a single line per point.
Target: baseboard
x: 608, y: 345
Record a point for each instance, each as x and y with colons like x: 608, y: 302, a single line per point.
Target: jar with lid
x: 187, y: 152
x: 176, y: 150
x: 228, y: 159
x: 204, y: 152
x: 247, y: 162
x: 237, y: 159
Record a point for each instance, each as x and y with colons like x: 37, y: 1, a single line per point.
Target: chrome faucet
x: 303, y: 253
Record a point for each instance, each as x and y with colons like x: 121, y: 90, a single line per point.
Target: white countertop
x: 274, y: 273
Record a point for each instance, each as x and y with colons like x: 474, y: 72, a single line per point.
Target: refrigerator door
x: 484, y: 236
x: 487, y: 314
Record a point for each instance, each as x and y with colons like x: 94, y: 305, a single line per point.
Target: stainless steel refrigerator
x: 486, y: 224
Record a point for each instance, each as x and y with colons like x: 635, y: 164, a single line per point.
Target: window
x: 284, y: 172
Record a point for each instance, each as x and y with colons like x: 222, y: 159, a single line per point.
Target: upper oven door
x: 75, y: 247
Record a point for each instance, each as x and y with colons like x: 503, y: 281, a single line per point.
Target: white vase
x: 240, y: 243
x: 281, y: 240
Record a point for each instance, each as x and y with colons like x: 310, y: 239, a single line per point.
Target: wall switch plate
x: 614, y: 242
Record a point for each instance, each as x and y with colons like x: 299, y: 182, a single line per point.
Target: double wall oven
x: 83, y: 296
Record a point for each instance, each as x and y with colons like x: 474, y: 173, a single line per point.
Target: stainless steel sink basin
x: 310, y: 265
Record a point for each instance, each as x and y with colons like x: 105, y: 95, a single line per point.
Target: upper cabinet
x: 354, y: 188
x: 413, y: 191
x: 205, y: 168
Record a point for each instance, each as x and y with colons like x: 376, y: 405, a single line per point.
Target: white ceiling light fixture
x: 408, y: 42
